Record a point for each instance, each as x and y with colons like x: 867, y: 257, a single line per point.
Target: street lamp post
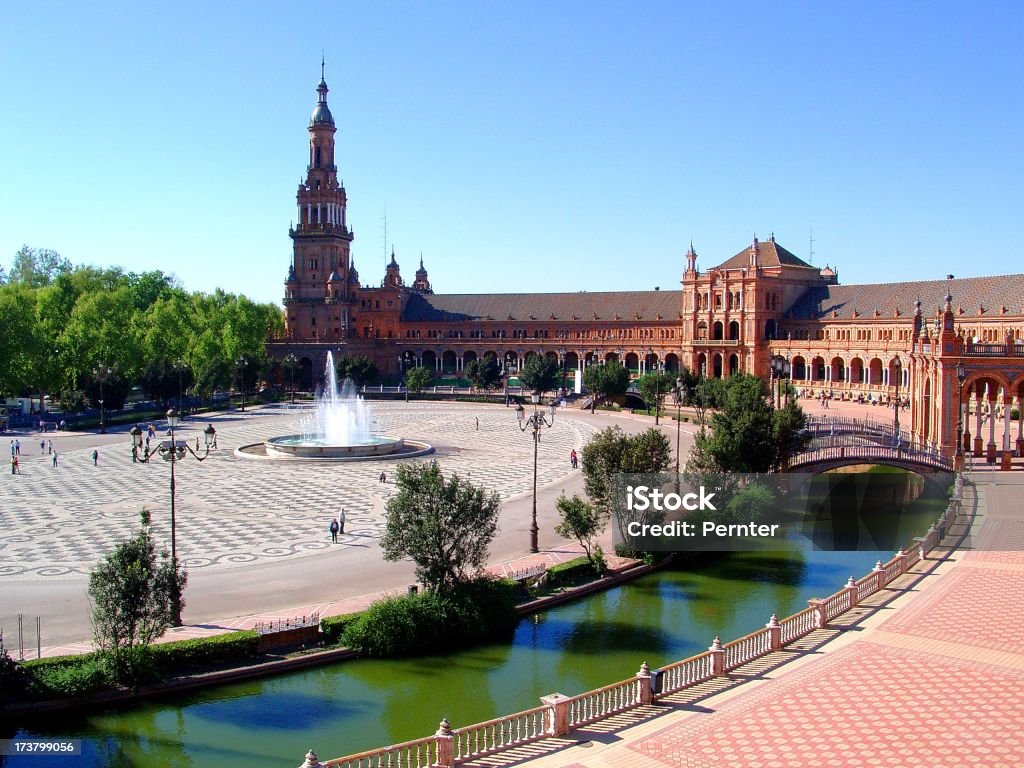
x: 536, y: 421
x: 779, y: 371
x: 678, y: 394
x: 897, y: 368
x: 291, y: 361
x: 102, y: 373
x: 961, y: 376
x: 242, y: 364
x: 173, y: 452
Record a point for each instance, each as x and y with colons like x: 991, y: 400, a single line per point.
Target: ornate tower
x: 317, y: 289
x: 422, y: 282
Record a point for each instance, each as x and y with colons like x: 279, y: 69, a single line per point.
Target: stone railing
x: 850, y: 453
x: 559, y: 715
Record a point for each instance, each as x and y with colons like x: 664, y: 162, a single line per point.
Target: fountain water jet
x: 340, y: 427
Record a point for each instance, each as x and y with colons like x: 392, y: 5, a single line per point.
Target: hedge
x: 332, y: 627
x: 182, y: 655
x: 571, y: 572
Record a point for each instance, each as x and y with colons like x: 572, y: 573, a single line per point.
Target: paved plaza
x: 254, y: 533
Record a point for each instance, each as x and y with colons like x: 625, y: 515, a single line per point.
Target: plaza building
x: 953, y: 350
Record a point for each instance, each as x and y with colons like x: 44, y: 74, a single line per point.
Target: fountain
x: 339, y: 428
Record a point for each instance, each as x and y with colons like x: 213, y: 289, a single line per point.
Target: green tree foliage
x: 540, y: 373
x: 130, y: 591
x: 483, y: 373
x: 417, y: 378
x: 747, y: 433
x: 163, y: 379
x: 655, y: 386
x: 115, y: 389
x: 606, y: 381
x: 36, y: 267
x: 61, y: 322
x: 443, y: 526
x: 581, y: 521
x: 359, y: 368
x: 611, y: 451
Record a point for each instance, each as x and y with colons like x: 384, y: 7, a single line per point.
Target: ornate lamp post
x: 291, y: 361
x: 102, y: 373
x: 961, y: 376
x: 678, y: 393
x: 173, y: 452
x: 897, y: 368
x: 780, y: 370
x: 242, y: 365
x: 536, y: 421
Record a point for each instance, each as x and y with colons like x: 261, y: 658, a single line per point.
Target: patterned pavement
x: 231, y: 511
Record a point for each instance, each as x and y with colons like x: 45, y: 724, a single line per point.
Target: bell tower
x: 317, y: 289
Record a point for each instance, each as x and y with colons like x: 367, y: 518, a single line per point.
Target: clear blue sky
x: 518, y: 146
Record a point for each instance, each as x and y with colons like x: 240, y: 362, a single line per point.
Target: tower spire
x: 322, y: 64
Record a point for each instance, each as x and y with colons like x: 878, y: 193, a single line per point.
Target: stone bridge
x: 904, y: 457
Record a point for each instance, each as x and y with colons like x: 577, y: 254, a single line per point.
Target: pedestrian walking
x: 12, y: 447
x: 14, y: 466
x: 383, y: 478
x: 17, y: 447
x: 573, y: 459
x: 55, y: 458
x: 334, y: 531
x: 341, y: 520
x: 478, y: 423
x: 42, y: 446
x: 95, y: 457
x: 197, y: 443
x: 49, y: 445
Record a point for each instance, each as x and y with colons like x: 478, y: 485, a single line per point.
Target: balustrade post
x: 445, y: 741
x: 879, y: 572
x: 311, y: 760
x: 717, y: 657
x: 851, y: 588
x: 557, y: 719
x: 774, y: 632
x: 643, y: 679
x: 820, y: 613
x: 902, y: 555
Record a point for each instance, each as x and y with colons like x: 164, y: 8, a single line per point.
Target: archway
x: 429, y: 358
x: 799, y: 366
x: 734, y: 364
x: 304, y: 378
x: 838, y: 370
x: 672, y: 362
x: 572, y: 361
x: 734, y: 330
x: 448, y: 361
x: 468, y: 357
x: 818, y: 369
x: 633, y: 362
x: 857, y: 371
x: 875, y: 371
x: 611, y: 357
x: 716, y: 330
x: 702, y: 364
x: 717, y: 366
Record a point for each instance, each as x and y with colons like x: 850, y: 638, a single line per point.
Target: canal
x: 356, y: 705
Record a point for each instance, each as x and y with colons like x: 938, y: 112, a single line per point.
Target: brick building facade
x: 763, y: 302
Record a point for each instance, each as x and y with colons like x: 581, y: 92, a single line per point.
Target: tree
x: 36, y: 267
x: 611, y: 452
x: 443, y: 526
x: 359, y: 368
x: 417, y: 378
x: 164, y: 379
x: 131, y: 593
x: 747, y: 433
x: 654, y: 387
x: 483, y: 373
x: 607, y: 381
x: 582, y: 522
x: 540, y: 373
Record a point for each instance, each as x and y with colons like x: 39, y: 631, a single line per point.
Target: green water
x: 357, y: 705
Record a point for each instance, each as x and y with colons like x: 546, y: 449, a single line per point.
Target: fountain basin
x: 302, y: 447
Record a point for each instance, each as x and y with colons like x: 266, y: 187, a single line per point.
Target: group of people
x: 45, y: 447
x: 337, y: 526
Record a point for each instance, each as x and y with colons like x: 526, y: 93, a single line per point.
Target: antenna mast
x: 810, y: 258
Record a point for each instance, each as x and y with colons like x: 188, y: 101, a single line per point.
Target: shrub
x: 332, y: 627
x: 62, y: 680
x: 571, y: 572
x: 417, y: 624
x: 182, y: 655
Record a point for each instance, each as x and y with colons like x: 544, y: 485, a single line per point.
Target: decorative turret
x: 393, y: 276
x: 422, y: 283
x: 755, y: 260
x: 353, y: 274
x: 691, y: 263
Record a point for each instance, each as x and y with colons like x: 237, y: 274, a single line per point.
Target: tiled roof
x: 583, y: 305
x: 970, y: 293
x: 769, y: 253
